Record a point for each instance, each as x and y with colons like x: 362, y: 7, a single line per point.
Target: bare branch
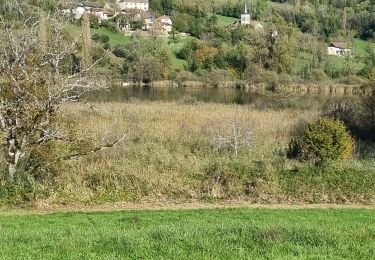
x: 97, y: 149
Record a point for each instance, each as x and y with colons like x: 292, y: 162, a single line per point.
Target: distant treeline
x: 322, y: 18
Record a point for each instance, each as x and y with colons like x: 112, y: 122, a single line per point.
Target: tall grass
x: 170, y: 154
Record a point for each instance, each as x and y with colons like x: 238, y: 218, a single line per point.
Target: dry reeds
x: 168, y: 152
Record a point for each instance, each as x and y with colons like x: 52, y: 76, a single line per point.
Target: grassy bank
x: 191, y: 234
x: 171, y: 153
x: 225, y: 20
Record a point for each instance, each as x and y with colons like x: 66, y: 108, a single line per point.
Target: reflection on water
x: 217, y: 95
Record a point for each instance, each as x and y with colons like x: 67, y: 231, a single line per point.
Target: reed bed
x: 170, y: 154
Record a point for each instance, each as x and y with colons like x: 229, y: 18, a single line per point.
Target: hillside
x: 175, y: 46
x: 298, y: 53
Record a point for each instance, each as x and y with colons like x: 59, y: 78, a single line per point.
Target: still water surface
x: 216, y: 95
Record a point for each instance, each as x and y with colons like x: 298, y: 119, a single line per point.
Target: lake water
x: 217, y: 95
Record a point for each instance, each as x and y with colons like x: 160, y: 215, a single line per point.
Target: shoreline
x: 302, y: 89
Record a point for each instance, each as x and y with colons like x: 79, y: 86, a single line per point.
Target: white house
x: 101, y: 13
x: 79, y: 9
x: 141, y: 5
x: 92, y: 8
x: 166, y: 23
x: 338, y: 49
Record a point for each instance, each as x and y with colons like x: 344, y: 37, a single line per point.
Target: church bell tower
x: 245, y: 17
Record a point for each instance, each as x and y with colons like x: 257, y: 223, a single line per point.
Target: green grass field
x: 226, y: 20
x: 115, y: 38
x: 174, y: 48
x: 360, y: 46
x: 191, y: 234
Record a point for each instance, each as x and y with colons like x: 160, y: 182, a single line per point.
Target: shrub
x: 317, y: 75
x: 352, y: 80
x: 110, y: 26
x: 218, y: 76
x: 323, y: 140
x: 94, y: 22
x: 105, y: 38
x: 102, y: 38
x: 96, y: 37
x: 120, y: 51
x: 184, y: 75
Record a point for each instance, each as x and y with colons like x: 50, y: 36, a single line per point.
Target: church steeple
x: 245, y: 17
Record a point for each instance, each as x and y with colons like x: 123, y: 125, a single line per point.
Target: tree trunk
x: 86, y: 42
x: 14, y: 155
x: 12, y: 168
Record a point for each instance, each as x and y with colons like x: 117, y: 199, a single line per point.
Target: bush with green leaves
x: 324, y: 140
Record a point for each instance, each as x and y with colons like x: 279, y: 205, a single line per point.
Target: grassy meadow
x: 171, y: 154
x: 225, y: 20
x: 191, y: 234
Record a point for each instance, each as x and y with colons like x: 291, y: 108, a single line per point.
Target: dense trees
x: 321, y: 18
x: 303, y: 30
x: 145, y: 59
x: 242, y: 47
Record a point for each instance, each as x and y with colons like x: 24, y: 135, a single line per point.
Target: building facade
x: 141, y: 5
x: 338, y: 49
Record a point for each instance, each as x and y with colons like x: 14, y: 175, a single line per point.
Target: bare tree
x: 234, y: 136
x: 39, y: 72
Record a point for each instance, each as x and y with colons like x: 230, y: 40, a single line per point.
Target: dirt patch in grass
x: 177, y: 205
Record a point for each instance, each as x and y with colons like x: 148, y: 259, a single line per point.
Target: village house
x: 102, y: 14
x: 338, y: 49
x: 80, y: 8
x: 126, y: 13
x: 125, y: 20
x: 141, y: 5
x: 93, y: 8
x: 165, y: 23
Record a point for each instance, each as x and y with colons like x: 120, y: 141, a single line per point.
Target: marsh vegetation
x: 171, y: 153
x: 60, y: 148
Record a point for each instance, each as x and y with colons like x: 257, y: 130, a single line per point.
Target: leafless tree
x: 234, y: 136
x: 39, y: 72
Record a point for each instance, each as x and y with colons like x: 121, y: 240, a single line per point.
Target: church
x: 246, y: 18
